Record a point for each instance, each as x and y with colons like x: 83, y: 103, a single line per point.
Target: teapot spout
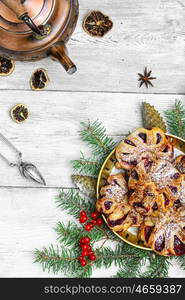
x: 59, y: 52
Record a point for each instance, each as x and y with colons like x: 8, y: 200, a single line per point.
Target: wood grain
x: 50, y: 137
x: 145, y: 33
x: 27, y: 222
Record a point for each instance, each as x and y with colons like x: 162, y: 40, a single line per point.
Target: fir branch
x: 70, y: 234
x: 58, y: 260
x: 158, y: 267
x: 73, y: 203
x: 94, y: 134
x: 176, y: 119
x: 90, y: 166
x: 181, y: 261
x: 122, y: 256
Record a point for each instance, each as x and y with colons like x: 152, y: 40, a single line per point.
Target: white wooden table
x: 146, y: 33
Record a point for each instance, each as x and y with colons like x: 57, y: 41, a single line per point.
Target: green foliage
x: 96, y: 138
x: 90, y: 166
x: 59, y: 259
x: 181, y: 261
x: 129, y: 260
x: 158, y: 267
x: 70, y: 234
x: 176, y: 119
x: 73, y: 203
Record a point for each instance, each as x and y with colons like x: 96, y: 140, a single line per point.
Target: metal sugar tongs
x: 27, y: 170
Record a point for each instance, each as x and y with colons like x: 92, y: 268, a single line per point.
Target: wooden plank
x: 27, y: 220
x: 146, y: 33
x: 50, y: 137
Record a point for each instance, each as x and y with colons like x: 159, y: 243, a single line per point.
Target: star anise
x: 146, y: 78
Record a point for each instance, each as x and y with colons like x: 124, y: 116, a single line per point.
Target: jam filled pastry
x: 163, y: 174
x: 181, y: 200
x: 179, y: 163
x: 124, y: 217
x: 145, y: 199
x: 141, y: 144
x: 116, y: 188
x: 165, y: 234
x: 112, y: 194
x: 106, y: 206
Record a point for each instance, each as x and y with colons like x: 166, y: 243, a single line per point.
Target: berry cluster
x: 96, y: 220
x: 86, y: 251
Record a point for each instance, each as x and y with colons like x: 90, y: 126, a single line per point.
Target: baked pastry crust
x: 124, y: 217
x: 145, y: 199
x: 163, y: 175
x: 143, y: 143
x: 112, y: 194
x: 165, y: 234
x: 116, y: 189
x: 179, y: 163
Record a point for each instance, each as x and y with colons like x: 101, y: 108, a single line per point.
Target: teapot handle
x: 59, y: 52
x: 16, y: 6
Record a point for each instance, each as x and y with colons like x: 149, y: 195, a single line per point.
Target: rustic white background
x: 146, y: 33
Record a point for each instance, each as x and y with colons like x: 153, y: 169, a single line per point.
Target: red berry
x: 83, y: 262
x: 87, y: 240
x: 83, y: 219
x: 90, y: 253
x: 80, y: 258
x: 83, y: 213
x: 94, y: 215
x: 85, y: 253
x: 82, y: 241
x: 92, y: 257
x: 85, y: 247
x: 93, y: 222
x: 88, y: 227
x: 99, y: 222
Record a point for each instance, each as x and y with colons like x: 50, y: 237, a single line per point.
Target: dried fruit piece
x: 6, y: 66
x: 97, y: 24
x: 152, y: 118
x: 39, y: 80
x: 19, y: 113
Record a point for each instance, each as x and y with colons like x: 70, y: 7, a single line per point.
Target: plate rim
x: 98, y: 186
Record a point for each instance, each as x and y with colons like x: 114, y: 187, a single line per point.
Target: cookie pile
x: 148, y: 192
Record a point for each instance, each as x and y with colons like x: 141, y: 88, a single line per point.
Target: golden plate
x: 105, y: 172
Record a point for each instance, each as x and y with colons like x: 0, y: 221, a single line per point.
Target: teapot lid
x: 38, y: 10
x: 15, y: 35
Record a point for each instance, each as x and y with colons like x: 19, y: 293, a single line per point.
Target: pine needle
x: 90, y: 166
x: 73, y: 203
x: 94, y: 134
x: 176, y: 119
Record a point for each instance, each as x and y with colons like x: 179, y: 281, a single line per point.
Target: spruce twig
x: 73, y: 203
x: 176, y: 119
x: 90, y: 166
x: 94, y: 134
x: 158, y: 267
x: 129, y: 260
x: 57, y: 260
x: 69, y: 234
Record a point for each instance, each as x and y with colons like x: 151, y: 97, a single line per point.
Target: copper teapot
x: 33, y: 29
